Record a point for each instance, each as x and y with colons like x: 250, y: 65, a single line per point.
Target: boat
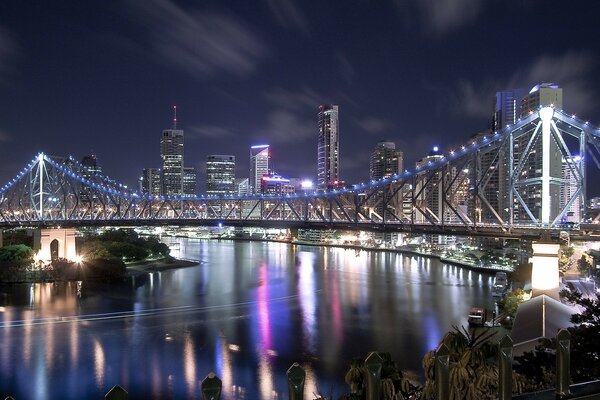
x: 477, y: 316
x: 500, y: 284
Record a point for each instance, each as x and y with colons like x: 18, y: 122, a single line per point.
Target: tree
x: 473, y: 368
x: 16, y: 252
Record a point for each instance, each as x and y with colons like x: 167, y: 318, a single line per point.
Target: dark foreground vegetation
x: 104, y: 257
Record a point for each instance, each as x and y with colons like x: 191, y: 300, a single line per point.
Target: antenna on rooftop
x: 174, y: 116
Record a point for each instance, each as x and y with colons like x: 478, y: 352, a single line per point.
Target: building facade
x: 260, y: 165
x: 150, y: 181
x: 171, y: 152
x: 385, y: 161
x: 189, y: 182
x: 507, y: 108
x: 328, y: 149
x: 220, y: 175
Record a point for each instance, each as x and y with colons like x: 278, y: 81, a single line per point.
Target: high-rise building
x: 276, y: 185
x: 171, y: 151
x: 220, y: 175
x: 189, y: 182
x: 328, y: 149
x: 507, y: 108
x: 429, y: 201
x: 90, y: 170
x: 242, y: 186
x: 260, y: 164
x: 571, y: 168
x: 90, y: 166
x: 150, y: 183
x: 543, y: 94
x: 385, y: 160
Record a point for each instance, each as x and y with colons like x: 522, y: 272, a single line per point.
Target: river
x: 246, y: 312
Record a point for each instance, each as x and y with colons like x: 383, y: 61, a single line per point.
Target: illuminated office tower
x: 385, y: 160
x: 541, y: 95
x: 260, y: 160
x: 150, y: 182
x: 328, y: 149
x: 220, y: 175
x: 171, y: 152
x: 507, y: 108
x: 189, y: 182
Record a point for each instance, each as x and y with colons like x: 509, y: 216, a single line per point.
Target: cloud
x: 285, y: 126
x: 288, y: 14
x: 295, y: 100
x: 571, y: 71
x: 346, y: 69
x: 8, y: 51
x: 208, y: 132
x: 441, y: 16
x: 374, y: 125
x: 202, y: 44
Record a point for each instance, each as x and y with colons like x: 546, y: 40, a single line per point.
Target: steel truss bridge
x: 517, y: 182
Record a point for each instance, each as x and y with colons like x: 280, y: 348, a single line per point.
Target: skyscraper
x: 385, y: 160
x: 189, y: 182
x: 543, y: 94
x: 220, y: 175
x: 328, y: 149
x: 171, y: 151
x: 260, y: 163
x: 507, y: 108
x: 150, y: 181
x: 534, y: 169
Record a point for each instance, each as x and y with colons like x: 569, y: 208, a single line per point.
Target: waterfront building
x: 543, y: 94
x: 328, y: 149
x: 189, y: 182
x: 385, y: 161
x: 595, y: 203
x: 90, y: 170
x: 260, y: 163
x: 507, y: 108
x: 571, y: 168
x: 150, y: 181
x: 276, y: 185
x: 171, y: 152
x: 90, y: 166
x: 220, y: 175
x: 241, y: 186
x: 429, y: 201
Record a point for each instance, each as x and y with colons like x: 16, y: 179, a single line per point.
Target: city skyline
x: 270, y: 69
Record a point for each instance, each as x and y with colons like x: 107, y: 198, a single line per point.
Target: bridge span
x: 521, y: 182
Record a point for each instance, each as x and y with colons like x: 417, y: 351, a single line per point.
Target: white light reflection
x: 99, y: 364
x: 306, y: 290
x: 189, y: 365
x: 224, y: 369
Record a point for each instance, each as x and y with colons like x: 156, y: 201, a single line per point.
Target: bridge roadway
x: 585, y: 232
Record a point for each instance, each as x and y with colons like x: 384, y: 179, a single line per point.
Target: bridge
x: 518, y: 182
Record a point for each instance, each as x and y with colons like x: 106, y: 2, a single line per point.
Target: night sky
x: 81, y: 76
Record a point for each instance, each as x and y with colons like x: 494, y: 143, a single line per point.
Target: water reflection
x: 247, y: 311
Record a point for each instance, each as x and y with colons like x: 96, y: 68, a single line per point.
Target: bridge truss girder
x: 493, y: 182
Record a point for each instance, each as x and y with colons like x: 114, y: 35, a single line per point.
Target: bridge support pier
x: 544, y: 272
x: 51, y: 244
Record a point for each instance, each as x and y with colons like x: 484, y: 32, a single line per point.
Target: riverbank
x: 403, y: 249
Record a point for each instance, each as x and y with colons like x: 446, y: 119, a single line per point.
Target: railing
x: 212, y: 386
